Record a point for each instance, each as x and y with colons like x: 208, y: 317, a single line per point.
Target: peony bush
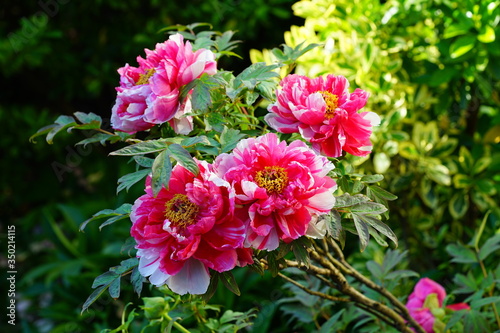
x: 224, y: 191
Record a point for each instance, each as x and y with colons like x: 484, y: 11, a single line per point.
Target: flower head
x: 325, y: 114
x: 187, y: 229
x: 425, y: 303
x: 160, y: 77
x: 280, y: 190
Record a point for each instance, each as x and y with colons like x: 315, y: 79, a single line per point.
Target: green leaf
x: 93, y: 297
x: 481, y: 164
x: 456, y: 29
x: 98, y: 137
x: 465, y: 159
x: 462, y: 45
x: 491, y: 245
x: 363, y: 231
x: 475, y: 322
x: 144, y: 161
x: 486, y: 34
x: 143, y: 147
x: 137, y: 280
x: 369, y: 207
x: 121, y: 212
x: 299, y: 248
x: 486, y: 186
x: 441, y: 76
x: 212, y: 287
x: 477, y: 304
x: 114, y: 288
x: 182, y: 156
x: 377, y: 225
x: 154, y: 307
x: 408, y: 150
x: 161, y: 172
x: 89, y: 120
x: 61, y: 123
x: 125, y: 182
x: 374, y: 191
x: 462, y: 181
x: 229, y: 138
x: 458, y: 205
x: 104, y: 279
x: 438, y: 173
x: 334, y: 324
x: 228, y: 280
x: 381, y: 162
x: 256, y: 73
x: 461, y: 254
x: 347, y: 200
x: 372, y: 179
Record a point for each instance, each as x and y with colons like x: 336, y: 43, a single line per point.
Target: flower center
x: 144, y: 77
x: 273, y: 178
x: 180, y: 211
x: 332, y: 102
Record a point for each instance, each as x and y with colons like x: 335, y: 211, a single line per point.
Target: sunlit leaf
x: 462, y: 45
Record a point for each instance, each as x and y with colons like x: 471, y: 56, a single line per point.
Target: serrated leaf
x: 143, y: 147
x: 125, y: 182
x: 229, y: 138
x: 161, y: 172
x: 183, y: 157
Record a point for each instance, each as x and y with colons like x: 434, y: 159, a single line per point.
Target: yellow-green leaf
x: 486, y: 34
x: 461, y: 46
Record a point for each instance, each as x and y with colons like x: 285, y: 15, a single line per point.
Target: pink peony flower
x: 187, y: 229
x: 428, y: 296
x: 280, y: 190
x: 162, y: 73
x: 324, y: 113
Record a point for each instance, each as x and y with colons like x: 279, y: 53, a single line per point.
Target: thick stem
x: 388, y: 315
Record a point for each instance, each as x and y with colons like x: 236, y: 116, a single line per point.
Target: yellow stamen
x: 144, y: 77
x: 332, y: 102
x: 273, y: 178
x: 180, y: 211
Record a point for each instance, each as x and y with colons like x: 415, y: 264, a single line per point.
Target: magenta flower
x: 426, y: 301
x: 324, y: 113
x: 280, y: 190
x: 187, y: 229
x: 160, y: 77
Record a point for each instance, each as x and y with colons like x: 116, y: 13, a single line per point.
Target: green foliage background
x: 433, y: 72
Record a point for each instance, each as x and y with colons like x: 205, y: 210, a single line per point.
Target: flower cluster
x: 150, y: 94
x: 262, y: 193
x: 425, y: 305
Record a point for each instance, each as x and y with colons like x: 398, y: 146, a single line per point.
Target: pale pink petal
x: 193, y: 278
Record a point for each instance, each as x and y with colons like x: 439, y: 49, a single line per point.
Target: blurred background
x: 432, y: 69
